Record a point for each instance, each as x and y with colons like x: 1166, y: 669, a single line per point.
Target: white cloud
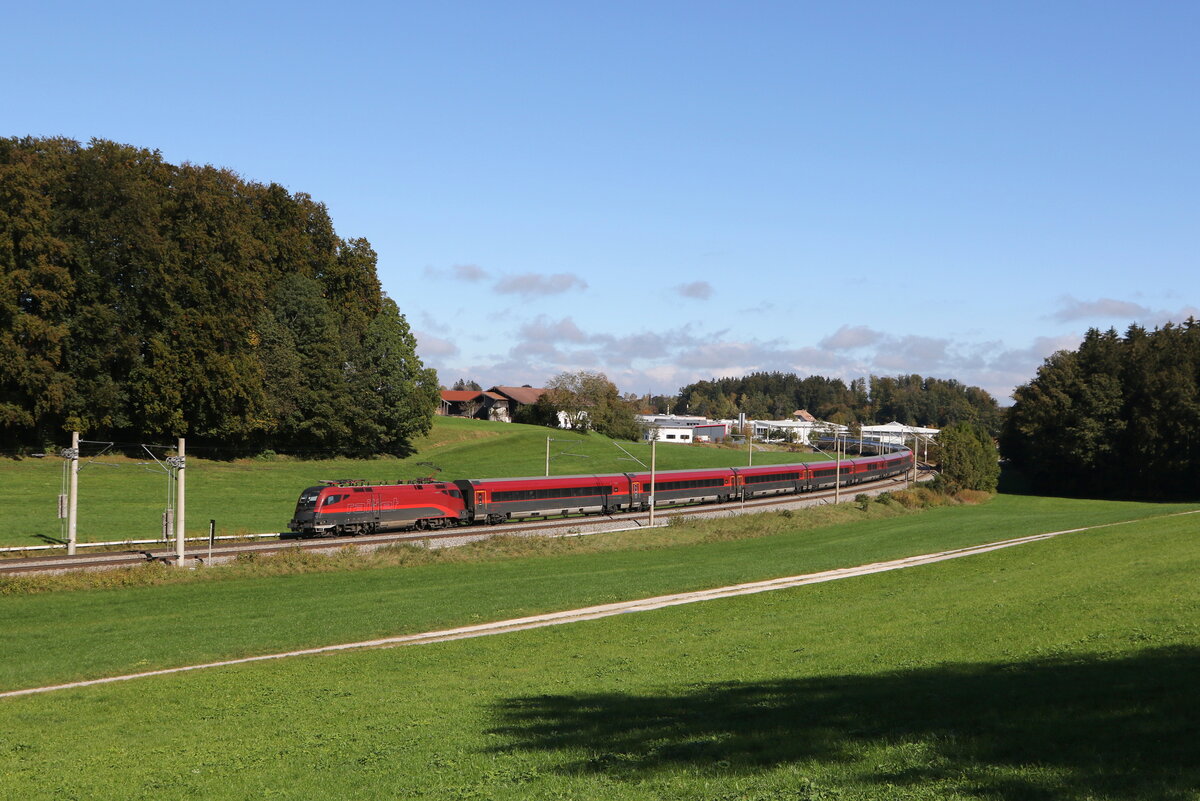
x: 697, y: 290
x: 849, y: 337
x: 466, y: 273
x: 543, y: 330
x: 529, y: 284
x: 431, y: 347
x: 912, y: 354
x: 469, y: 272
x: 1102, y: 309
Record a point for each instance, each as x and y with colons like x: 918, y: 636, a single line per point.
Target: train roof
x: 594, y: 476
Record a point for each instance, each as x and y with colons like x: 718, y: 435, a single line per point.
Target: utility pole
x: 180, y: 464
x: 653, y: 453
x: 912, y: 479
x: 837, y: 474
x: 547, y: 457
x: 73, y: 493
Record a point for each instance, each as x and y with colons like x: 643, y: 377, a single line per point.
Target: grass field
x: 1064, y: 669
x: 124, y: 498
x: 65, y: 636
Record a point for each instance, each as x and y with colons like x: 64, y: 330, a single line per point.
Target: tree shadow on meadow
x: 1062, y: 729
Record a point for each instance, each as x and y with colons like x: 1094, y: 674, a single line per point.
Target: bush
x: 969, y: 459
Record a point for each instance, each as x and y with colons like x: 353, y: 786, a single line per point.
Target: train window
x: 665, y: 486
x: 772, y: 477
x: 546, y: 494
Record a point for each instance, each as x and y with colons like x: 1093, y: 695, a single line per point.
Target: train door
x: 635, y: 494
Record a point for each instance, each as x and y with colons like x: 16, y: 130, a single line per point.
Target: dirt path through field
x: 596, y: 612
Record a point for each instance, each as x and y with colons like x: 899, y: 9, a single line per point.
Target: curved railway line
x: 549, y: 527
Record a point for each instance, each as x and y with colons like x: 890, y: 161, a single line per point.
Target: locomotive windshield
x: 308, y: 498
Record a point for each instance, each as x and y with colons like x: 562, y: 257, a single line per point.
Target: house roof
x: 460, y: 395
x: 525, y: 395
x: 804, y: 415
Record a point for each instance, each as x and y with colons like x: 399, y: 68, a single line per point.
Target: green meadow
x: 1060, y: 669
x: 123, y: 498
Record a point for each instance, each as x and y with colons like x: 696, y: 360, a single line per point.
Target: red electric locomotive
x: 353, y: 507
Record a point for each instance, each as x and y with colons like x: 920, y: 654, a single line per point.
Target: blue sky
x: 666, y: 192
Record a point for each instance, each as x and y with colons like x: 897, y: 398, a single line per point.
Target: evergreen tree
x: 397, y: 394
x: 1118, y: 417
x: 969, y: 459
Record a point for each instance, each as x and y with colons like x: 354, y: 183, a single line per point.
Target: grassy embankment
x: 1063, y: 669
x: 122, y: 498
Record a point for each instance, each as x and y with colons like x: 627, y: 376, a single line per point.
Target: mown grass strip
x: 590, y: 613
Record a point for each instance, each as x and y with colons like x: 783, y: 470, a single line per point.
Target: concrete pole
x: 653, y: 464
x: 914, y: 461
x: 179, y: 508
x: 837, y: 475
x: 912, y: 478
x: 73, y: 494
x: 547, y: 457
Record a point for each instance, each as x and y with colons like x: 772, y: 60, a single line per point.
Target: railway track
x: 549, y: 527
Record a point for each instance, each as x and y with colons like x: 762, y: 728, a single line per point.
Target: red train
x: 358, y: 508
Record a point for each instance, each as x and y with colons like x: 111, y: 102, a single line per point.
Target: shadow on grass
x: 1072, y: 728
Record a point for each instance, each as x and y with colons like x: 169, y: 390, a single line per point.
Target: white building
x: 794, y: 430
x: 895, y: 433
x: 681, y: 428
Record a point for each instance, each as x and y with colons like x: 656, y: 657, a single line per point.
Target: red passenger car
x: 494, y: 500
x: 681, y: 486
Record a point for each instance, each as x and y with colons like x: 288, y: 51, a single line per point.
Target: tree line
x: 144, y: 299
x: 908, y: 399
x: 1118, y: 417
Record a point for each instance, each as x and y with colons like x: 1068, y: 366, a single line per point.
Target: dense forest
x: 140, y: 299
x: 1119, y: 417
x: 910, y: 399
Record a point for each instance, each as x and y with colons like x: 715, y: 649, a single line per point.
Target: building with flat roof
x: 896, y: 433
x: 680, y: 428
